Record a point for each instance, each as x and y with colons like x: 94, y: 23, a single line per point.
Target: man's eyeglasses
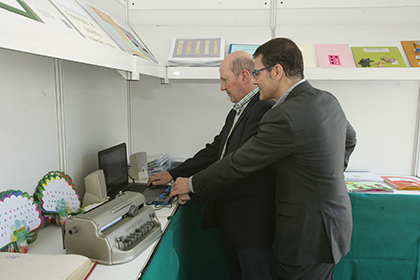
x: 257, y: 72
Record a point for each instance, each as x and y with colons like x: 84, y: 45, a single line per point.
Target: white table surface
x: 49, y: 241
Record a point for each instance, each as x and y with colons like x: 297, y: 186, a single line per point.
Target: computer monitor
x: 113, y: 161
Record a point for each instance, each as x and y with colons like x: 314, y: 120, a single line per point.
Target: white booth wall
x: 95, y: 117
x: 101, y: 109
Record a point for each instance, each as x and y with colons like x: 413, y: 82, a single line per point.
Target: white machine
x: 114, y: 232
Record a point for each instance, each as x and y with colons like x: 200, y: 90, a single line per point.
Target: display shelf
x: 29, y: 36
x: 388, y: 74
x: 33, y: 37
x: 368, y: 74
x: 149, y: 68
x: 210, y: 73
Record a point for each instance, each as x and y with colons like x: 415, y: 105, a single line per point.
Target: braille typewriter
x: 114, y: 232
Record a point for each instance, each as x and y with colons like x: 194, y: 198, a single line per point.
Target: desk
x: 386, y: 238
x: 49, y: 241
x: 385, y: 243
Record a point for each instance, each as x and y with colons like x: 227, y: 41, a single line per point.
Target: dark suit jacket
x: 307, y: 140
x: 246, y: 211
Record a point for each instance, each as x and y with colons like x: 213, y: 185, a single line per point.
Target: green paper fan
x: 56, y: 194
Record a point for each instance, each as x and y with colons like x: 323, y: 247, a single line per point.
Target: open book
x: 34, y: 266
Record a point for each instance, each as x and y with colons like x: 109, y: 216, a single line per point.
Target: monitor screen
x: 113, y: 161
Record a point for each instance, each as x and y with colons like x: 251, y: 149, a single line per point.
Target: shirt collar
x: 241, y: 104
x: 288, y: 91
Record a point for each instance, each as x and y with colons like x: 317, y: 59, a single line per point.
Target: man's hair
x: 240, y: 63
x: 282, y: 51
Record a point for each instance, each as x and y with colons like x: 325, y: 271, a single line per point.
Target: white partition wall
x: 64, y: 98
x: 178, y: 118
x: 96, y: 113
x: 384, y: 115
x: 28, y: 120
x: 95, y: 117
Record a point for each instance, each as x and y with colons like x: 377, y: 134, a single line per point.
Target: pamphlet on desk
x: 362, y: 176
x: 368, y: 187
x: 406, y: 183
x: 365, y: 181
x: 46, y: 267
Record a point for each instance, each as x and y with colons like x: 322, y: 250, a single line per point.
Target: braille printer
x: 114, y: 232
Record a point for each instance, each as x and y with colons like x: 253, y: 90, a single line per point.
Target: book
x: 54, y: 18
x: 362, y: 176
x: 406, y: 183
x: 196, y: 52
x: 39, y: 266
x: 378, y: 57
x: 334, y: 55
x: 308, y: 55
x: 368, y: 187
x: 83, y: 23
x: 412, y: 50
x: 113, y: 30
x: 140, y: 45
x: 243, y: 47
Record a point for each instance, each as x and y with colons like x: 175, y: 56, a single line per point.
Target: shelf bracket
x: 165, y: 81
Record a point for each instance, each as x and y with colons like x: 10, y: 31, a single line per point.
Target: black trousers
x: 251, y: 263
x: 322, y: 271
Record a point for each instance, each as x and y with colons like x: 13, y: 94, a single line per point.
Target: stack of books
x: 365, y: 181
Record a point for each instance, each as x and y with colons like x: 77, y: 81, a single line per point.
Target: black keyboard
x: 137, y: 187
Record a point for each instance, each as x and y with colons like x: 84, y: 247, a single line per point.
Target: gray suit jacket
x: 307, y: 140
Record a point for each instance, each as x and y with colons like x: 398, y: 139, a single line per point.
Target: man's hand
x: 180, y: 187
x: 183, y: 198
x: 160, y: 179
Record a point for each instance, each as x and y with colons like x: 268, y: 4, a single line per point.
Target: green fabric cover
x: 385, y: 243
x: 187, y: 251
x: 385, y: 239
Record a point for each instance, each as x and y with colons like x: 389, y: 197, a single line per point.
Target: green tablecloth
x: 385, y: 239
x: 385, y: 243
x: 188, y: 252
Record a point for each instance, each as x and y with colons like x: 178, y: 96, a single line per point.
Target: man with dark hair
x: 244, y: 212
x: 307, y: 140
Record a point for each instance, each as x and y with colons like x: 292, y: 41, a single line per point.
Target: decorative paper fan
x: 57, y: 195
x: 20, y: 220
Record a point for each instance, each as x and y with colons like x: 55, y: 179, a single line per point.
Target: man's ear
x: 245, y: 76
x: 278, y: 72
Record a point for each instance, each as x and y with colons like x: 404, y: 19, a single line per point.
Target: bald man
x: 246, y: 213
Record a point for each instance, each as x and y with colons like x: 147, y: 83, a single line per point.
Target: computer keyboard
x: 137, y: 187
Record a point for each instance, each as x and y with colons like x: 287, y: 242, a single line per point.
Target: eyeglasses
x: 257, y: 72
